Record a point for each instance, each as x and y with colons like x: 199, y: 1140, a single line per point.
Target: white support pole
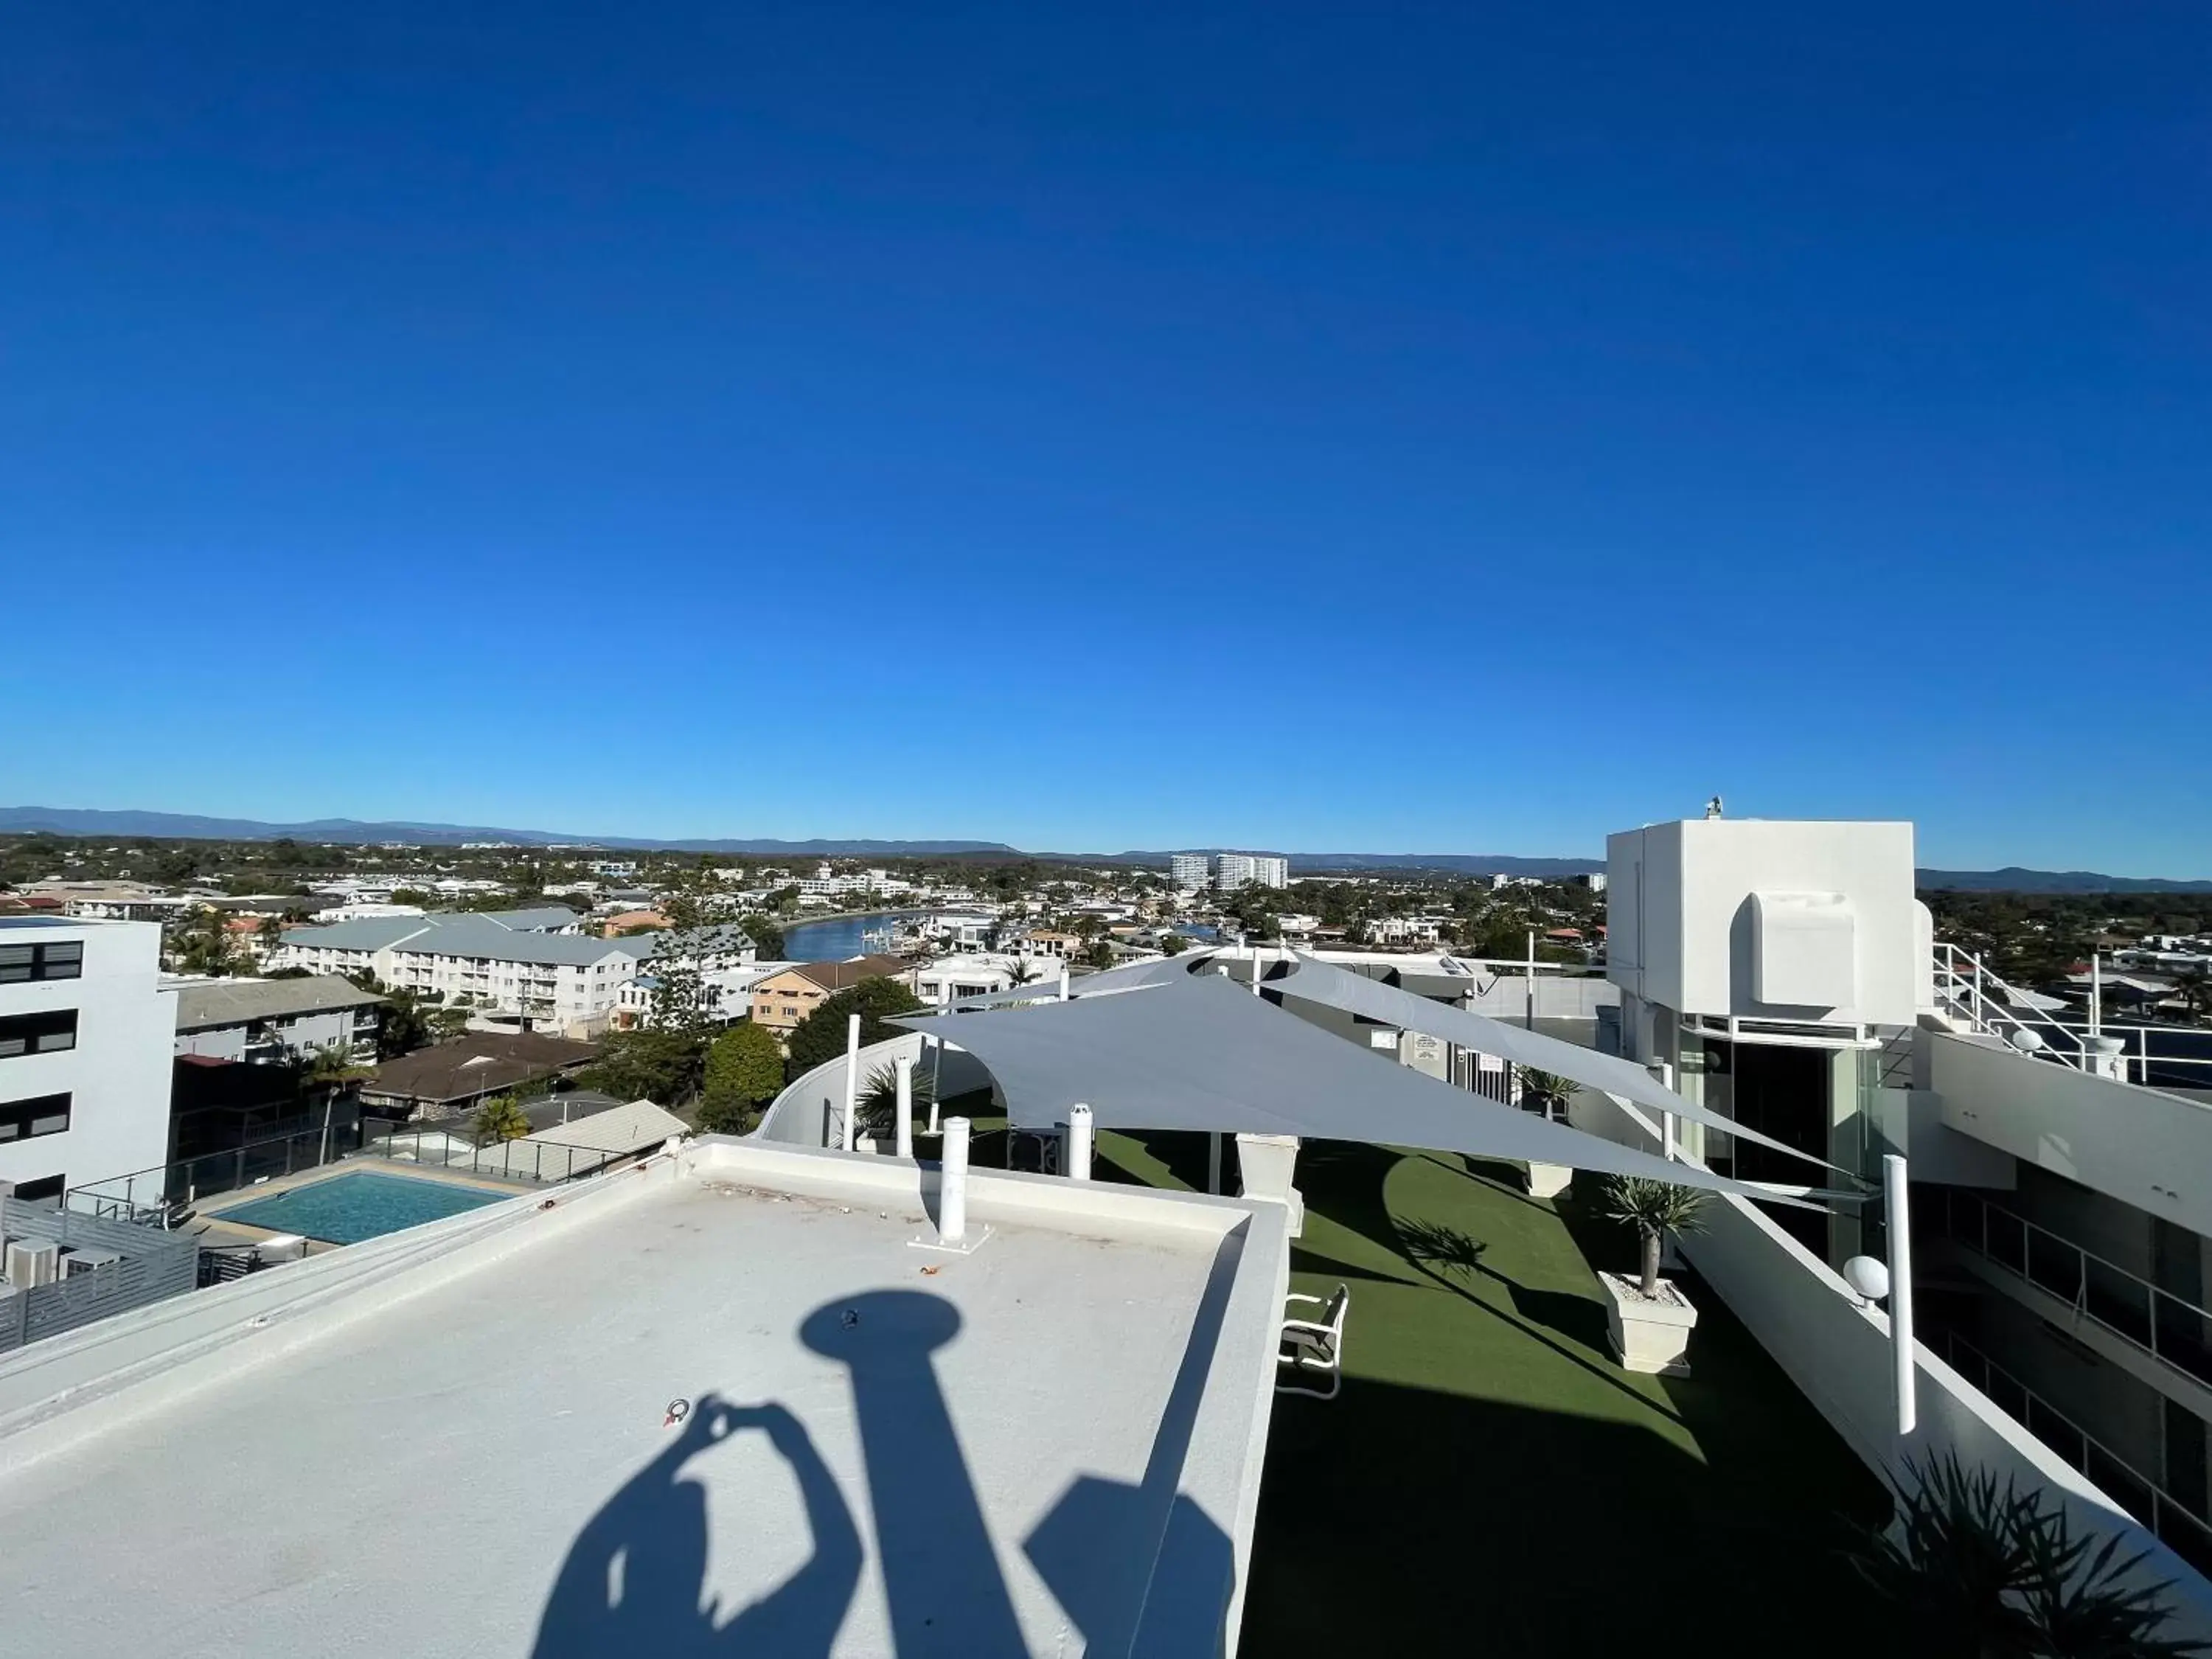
x: 852, y: 1076
x: 905, y: 1065
x: 1256, y: 968
x: 1214, y: 1163
x: 1531, y: 979
x: 1079, y: 1143
x: 2096, y: 996
x: 1897, y: 1198
x: 953, y: 1189
x: 936, y: 1080
x: 1063, y: 981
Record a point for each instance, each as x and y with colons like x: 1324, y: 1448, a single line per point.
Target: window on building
x: 61, y: 960
x: 37, y: 1034
x: 41, y: 1115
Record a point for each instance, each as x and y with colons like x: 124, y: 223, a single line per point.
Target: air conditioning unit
x: 30, y: 1262
x: 84, y: 1262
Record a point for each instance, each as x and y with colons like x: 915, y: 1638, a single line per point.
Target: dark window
x: 41, y: 1115
x: 37, y: 1034
x: 19, y: 962
x: 38, y: 1191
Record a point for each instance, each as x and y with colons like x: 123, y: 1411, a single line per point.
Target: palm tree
x: 1021, y: 970
x: 1653, y: 1208
x: 501, y: 1118
x: 876, y: 1111
x: 1547, y: 1091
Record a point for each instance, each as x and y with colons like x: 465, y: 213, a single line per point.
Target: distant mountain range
x: 2014, y: 879
x: 177, y: 826
x: 351, y: 832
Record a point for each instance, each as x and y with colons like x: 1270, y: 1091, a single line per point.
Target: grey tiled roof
x: 484, y: 935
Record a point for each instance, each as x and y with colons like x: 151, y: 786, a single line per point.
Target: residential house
x: 276, y: 1019
x: 781, y: 999
x: 451, y: 1078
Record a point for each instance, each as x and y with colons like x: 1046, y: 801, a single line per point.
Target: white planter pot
x: 1549, y: 1180
x: 1650, y: 1333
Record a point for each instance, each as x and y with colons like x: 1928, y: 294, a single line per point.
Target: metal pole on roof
x: 905, y: 1067
x: 1531, y: 979
x: 1214, y: 1163
x: 936, y: 1077
x: 852, y: 1074
x: 952, y: 1183
x: 1898, y: 1218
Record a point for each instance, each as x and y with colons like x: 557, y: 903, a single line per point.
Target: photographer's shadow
x: 633, y: 1581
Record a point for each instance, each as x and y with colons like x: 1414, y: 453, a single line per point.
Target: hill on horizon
x: 180, y: 826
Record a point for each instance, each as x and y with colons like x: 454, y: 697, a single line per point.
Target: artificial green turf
x: 1490, y: 1481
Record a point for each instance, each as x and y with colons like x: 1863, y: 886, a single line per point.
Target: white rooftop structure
x: 1048, y: 1443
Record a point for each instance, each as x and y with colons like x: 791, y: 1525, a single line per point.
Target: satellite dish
x: 1867, y: 1276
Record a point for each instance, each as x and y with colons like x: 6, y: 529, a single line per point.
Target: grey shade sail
x: 1314, y: 980
x: 1207, y: 1054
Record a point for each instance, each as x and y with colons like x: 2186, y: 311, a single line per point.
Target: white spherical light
x: 1869, y: 1276
x: 2025, y: 1040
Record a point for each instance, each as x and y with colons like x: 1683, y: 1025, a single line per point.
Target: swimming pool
x: 358, y: 1204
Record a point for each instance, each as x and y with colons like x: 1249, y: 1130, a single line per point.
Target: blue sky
x: 1387, y: 427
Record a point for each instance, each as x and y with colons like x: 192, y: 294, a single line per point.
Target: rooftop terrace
x: 1490, y: 1480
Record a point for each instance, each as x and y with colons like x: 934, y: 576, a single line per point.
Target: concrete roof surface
x: 1049, y: 1445
x: 203, y: 1005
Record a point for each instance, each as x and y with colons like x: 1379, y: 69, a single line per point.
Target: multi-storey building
x: 1251, y: 869
x: 1188, y: 870
x: 534, y: 964
x: 85, y: 1032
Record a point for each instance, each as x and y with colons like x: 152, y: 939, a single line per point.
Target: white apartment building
x: 979, y: 974
x: 536, y: 964
x: 1233, y: 869
x: 86, y: 1034
x: 1188, y: 870
x: 1405, y: 930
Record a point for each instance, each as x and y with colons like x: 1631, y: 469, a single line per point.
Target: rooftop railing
x: 2168, y: 1056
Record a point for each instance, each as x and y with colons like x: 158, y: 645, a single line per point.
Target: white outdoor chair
x: 1314, y: 1346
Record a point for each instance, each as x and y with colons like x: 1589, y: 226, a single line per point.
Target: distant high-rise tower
x: 1187, y: 870
x: 1251, y: 869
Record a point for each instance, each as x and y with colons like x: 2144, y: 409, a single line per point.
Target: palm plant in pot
x: 1649, y: 1318
x: 1545, y: 1094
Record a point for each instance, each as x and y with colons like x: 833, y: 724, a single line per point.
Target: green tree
x: 767, y: 937
x: 1174, y: 945
x: 499, y: 1118
x: 1100, y: 954
x: 648, y: 1064
x: 743, y: 1068
x: 821, y: 1036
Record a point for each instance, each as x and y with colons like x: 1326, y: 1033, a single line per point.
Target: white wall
x: 118, y: 1075
x: 1839, y: 1355
x: 1678, y: 912
x: 2146, y: 1148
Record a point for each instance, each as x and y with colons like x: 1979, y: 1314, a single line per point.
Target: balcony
x: 1488, y: 1466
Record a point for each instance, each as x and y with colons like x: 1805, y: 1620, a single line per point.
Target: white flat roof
x: 452, y: 1440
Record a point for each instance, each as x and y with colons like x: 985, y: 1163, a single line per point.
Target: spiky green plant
x: 876, y: 1110
x: 1546, y: 1090
x: 1978, y: 1568
x: 1655, y: 1209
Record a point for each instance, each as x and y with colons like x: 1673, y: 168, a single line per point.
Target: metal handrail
x: 1964, y: 985
x: 2183, y: 1530
x: 2198, y: 1364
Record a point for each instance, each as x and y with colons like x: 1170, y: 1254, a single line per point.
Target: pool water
x: 349, y: 1208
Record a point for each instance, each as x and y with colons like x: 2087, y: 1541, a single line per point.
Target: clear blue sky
x: 1382, y: 427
